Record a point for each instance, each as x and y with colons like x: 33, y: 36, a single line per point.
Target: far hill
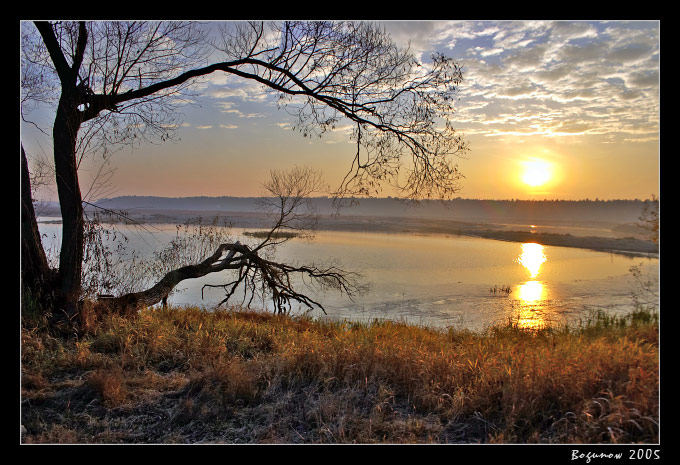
x: 489, y: 211
x: 605, y: 225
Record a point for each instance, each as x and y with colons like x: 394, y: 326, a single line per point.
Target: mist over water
x: 434, y: 280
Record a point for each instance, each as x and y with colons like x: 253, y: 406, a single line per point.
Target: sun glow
x: 536, y: 172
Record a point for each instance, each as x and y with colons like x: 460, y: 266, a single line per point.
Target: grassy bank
x: 192, y: 376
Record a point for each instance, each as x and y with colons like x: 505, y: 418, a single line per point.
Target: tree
x: 209, y: 250
x: 35, y: 272
x: 645, y: 286
x: 649, y: 218
x: 119, y: 82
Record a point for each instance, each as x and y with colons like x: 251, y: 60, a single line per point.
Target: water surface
x: 437, y: 280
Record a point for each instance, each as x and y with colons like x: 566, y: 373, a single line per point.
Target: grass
x: 185, y: 375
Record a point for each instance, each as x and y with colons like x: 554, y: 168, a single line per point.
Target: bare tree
x: 401, y: 109
x: 122, y: 82
x: 255, y: 271
x: 649, y: 218
x: 645, y: 286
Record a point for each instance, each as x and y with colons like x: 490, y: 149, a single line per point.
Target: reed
x: 190, y: 375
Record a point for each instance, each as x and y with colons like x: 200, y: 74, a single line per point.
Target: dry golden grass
x: 188, y: 375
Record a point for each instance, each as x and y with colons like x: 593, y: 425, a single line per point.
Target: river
x: 435, y: 279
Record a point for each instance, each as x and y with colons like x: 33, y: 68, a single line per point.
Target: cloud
x: 642, y: 139
x: 630, y: 53
x: 235, y: 87
x: 573, y: 127
x: 558, y: 79
x: 527, y: 58
x: 416, y: 34
x: 644, y: 78
x: 491, y: 52
x: 553, y: 73
x: 521, y: 91
x: 344, y: 128
x: 546, y: 78
x: 424, y: 37
x: 218, y: 78
x: 230, y: 107
x: 630, y: 94
x: 225, y: 92
x: 580, y: 53
x: 568, y: 30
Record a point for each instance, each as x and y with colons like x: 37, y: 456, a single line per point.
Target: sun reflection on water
x: 531, y: 293
x: 528, y: 318
x: 532, y: 257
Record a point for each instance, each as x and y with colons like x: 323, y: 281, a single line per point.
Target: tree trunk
x: 65, y: 132
x: 36, y: 275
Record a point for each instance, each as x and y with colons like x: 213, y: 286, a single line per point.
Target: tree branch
x: 64, y: 71
x: 80, y: 48
x: 255, y: 271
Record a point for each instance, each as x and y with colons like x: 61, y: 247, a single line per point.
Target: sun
x: 536, y: 172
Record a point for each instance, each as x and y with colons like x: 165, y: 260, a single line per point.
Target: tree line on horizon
x: 374, y: 199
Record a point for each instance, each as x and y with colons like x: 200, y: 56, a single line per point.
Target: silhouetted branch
x: 256, y: 271
x: 323, y: 72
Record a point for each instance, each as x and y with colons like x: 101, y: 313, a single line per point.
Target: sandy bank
x: 626, y: 246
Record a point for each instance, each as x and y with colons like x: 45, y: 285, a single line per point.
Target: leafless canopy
x: 133, y: 76
x: 115, y: 58
x: 254, y: 268
x: 115, y: 82
x: 401, y: 109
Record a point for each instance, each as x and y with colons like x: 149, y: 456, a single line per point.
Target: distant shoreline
x: 385, y: 224
x: 622, y: 246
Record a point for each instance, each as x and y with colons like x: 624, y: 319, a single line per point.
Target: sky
x: 551, y: 110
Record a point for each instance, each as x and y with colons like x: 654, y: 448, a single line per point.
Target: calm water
x: 438, y: 280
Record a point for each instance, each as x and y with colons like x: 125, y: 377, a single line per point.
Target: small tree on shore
x: 645, y: 287
x: 649, y: 218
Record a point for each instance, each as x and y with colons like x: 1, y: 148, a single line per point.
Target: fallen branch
x: 255, y: 274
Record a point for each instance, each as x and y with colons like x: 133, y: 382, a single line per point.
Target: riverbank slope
x: 193, y: 376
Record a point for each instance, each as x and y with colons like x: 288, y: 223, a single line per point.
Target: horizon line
x: 327, y: 197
